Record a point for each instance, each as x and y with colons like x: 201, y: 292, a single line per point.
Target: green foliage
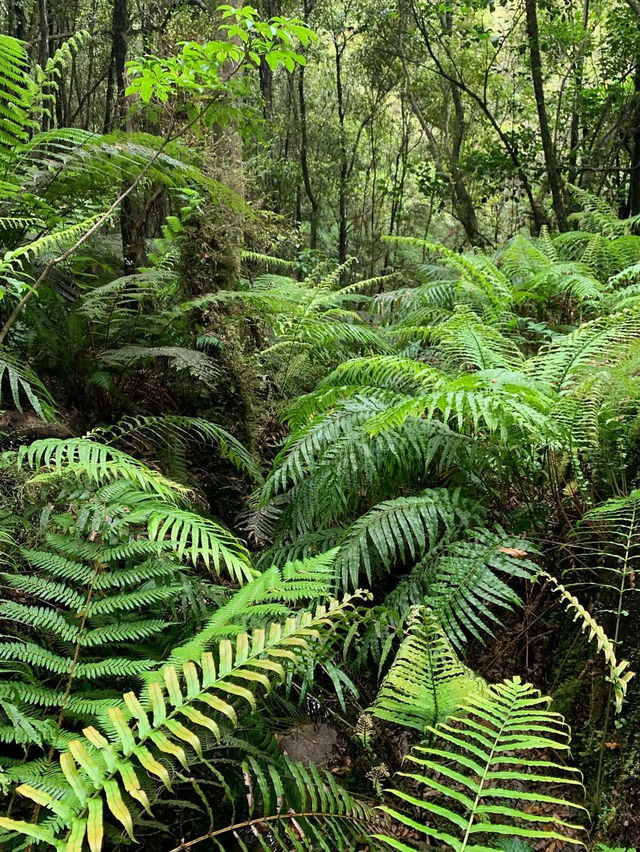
x: 197, y: 70
x: 480, y: 764
x: 24, y: 384
x: 400, y: 530
x: 98, y: 773
x: 426, y: 681
x: 441, y: 410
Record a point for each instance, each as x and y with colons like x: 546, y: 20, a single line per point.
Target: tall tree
x: 550, y: 158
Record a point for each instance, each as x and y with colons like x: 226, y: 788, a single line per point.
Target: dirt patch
x: 310, y: 743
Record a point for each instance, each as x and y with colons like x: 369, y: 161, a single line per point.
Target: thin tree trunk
x: 120, y: 28
x: 634, y: 179
x: 108, y: 120
x: 574, y: 135
x: 43, y: 33
x: 344, y: 166
x: 551, y: 162
x: 304, y: 164
x: 132, y: 238
x: 43, y: 54
x: 463, y: 203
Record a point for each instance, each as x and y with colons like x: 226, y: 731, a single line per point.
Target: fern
x: 463, y: 582
x: 101, y: 772
x: 17, y: 95
x: 399, y: 530
x: 426, y: 681
x: 618, y: 674
x: 23, y: 382
x: 481, y: 769
x: 592, y: 344
x: 82, y: 457
x: 168, y: 430
x: 197, y: 364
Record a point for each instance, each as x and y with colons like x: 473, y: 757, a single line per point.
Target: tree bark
x: 575, y: 112
x: 551, y: 162
x: 462, y: 201
x: 132, y: 234
x: 120, y: 28
x: 344, y: 165
x: 304, y: 164
x: 17, y: 21
x: 43, y: 33
x: 634, y: 179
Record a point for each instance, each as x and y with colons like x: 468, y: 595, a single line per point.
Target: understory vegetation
x: 271, y: 474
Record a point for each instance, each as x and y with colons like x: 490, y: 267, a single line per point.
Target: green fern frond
x: 399, y: 530
x: 98, y: 463
x: 197, y: 364
x: 426, y: 681
x: 176, y: 706
x: 462, y: 582
x: 592, y: 344
x: 466, y: 342
x: 188, y: 534
x: 22, y: 381
x: 618, y: 674
x: 481, y: 769
x: 167, y: 430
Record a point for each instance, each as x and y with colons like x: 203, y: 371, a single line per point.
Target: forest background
x: 319, y: 368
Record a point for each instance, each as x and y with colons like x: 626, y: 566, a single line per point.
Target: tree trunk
x: 462, y: 201
x: 575, y: 113
x: 43, y: 55
x: 304, y: 164
x: 16, y: 24
x: 120, y: 28
x: 344, y: 166
x: 132, y: 235
x: 634, y: 179
x: 43, y: 33
x: 551, y: 162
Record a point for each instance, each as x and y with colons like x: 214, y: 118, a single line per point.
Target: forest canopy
x: 319, y: 425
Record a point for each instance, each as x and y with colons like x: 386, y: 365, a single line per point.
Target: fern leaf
x: 426, y: 681
x: 481, y: 769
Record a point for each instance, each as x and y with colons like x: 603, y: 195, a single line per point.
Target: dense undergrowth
x: 401, y: 504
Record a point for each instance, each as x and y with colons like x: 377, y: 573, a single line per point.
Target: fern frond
x: 22, y: 381
x: 592, y: 344
x: 176, y: 706
x: 426, y: 681
x: 197, y: 364
x: 401, y: 529
x: 167, y: 430
x: 96, y: 462
x: 480, y: 766
x: 618, y: 674
x: 462, y: 582
x: 186, y: 533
